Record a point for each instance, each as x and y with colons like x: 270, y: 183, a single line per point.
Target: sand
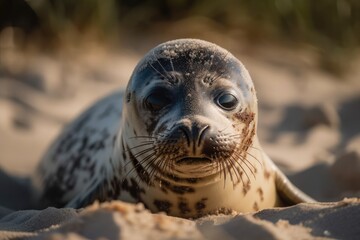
x: 118, y: 220
x: 309, y: 125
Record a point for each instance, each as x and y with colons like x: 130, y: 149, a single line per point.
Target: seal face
x: 183, y: 141
x: 195, y: 116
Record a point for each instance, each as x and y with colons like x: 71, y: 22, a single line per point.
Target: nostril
x: 187, y: 134
x: 194, y: 135
x: 202, y: 134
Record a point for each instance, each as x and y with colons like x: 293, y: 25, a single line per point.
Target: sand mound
x: 118, y: 220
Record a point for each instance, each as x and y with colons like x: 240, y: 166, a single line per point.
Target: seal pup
x: 181, y: 139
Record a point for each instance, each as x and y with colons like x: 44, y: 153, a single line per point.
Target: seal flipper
x: 288, y: 193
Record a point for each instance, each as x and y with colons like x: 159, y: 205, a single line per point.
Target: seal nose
x: 194, y: 134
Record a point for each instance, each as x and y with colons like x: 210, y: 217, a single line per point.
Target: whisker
x: 140, y: 145
x: 220, y: 131
x: 171, y: 63
x: 151, y: 161
x: 236, y: 172
x: 211, y: 63
x: 250, y: 146
x: 230, y: 168
x: 245, y: 161
x: 142, y: 137
x: 142, y: 152
x: 156, y: 166
x: 217, y: 167
x: 224, y: 171
x: 157, y: 60
x: 148, y: 158
x: 158, y: 71
x: 243, y: 170
x: 221, y: 74
x: 261, y: 164
x: 131, y: 171
x: 138, y: 154
x: 163, y: 165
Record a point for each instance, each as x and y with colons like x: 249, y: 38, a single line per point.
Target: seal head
x: 189, y: 133
x: 194, y: 106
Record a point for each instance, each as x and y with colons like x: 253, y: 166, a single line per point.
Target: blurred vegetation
x: 332, y: 26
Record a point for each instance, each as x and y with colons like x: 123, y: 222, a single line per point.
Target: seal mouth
x: 194, y: 161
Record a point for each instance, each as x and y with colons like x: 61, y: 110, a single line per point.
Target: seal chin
x: 194, y: 161
x: 195, y: 167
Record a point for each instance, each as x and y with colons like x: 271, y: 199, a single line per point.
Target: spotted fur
x: 167, y: 141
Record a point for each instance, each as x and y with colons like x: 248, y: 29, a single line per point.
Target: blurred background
x: 58, y: 56
x: 330, y: 28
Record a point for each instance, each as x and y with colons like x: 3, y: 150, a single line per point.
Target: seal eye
x: 227, y: 101
x: 156, y: 101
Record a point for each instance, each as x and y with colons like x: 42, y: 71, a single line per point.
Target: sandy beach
x: 308, y: 124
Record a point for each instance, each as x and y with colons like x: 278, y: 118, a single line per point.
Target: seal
x: 181, y: 139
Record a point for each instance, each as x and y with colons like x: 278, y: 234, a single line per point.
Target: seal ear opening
x: 128, y: 97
